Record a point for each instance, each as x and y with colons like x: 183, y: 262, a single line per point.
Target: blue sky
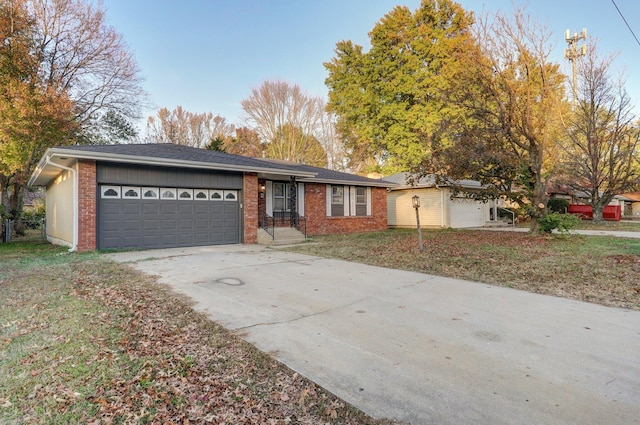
x: 207, y: 55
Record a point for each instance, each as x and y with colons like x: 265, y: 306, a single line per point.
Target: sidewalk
x: 616, y: 233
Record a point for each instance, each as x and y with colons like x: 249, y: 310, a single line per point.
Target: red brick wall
x: 319, y: 224
x: 86, y: 205
x: 250, y: 193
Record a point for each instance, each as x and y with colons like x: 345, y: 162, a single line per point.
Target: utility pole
x: 572, y: 53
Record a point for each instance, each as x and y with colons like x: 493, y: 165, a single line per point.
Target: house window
x: 337, y: 201
x: 185, y: 194
x: 130, y: 192
x: 361, y: 201
x: 201, y: 195
x: 167, y: 193
x: 281, y: 197
x: 215, y: 195
x: 230, y: 195
x: 110, y: 191
x: 150, y: 193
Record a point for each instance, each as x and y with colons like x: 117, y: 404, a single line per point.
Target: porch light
x: 415, y: 201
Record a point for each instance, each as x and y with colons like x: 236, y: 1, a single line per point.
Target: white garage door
x: 466, y: 213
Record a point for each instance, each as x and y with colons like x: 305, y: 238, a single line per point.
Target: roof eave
x: 146, y: 160
x: 372, y: 183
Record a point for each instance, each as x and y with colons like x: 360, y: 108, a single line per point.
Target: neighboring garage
x: 439, y: 206
x: 156, y: 207
x: 465, y: 212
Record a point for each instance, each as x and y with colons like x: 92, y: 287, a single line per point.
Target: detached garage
x: 438, y: 208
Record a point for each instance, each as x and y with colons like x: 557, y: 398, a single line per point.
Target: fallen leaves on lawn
x: 189, y: 370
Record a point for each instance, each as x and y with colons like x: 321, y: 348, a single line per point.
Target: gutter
x: 182, y: 163
x: 74, y: 173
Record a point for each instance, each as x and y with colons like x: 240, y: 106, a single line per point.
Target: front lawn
x: 597, y: 269
x: 87, y: 341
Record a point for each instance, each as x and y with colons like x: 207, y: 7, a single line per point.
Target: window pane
x: 361, y: 195
x: 337, y: 194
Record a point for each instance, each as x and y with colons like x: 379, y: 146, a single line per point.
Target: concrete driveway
x: 415, y: 347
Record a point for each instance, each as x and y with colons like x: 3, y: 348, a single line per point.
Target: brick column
x: 250, y: 219
x: 87, y: 205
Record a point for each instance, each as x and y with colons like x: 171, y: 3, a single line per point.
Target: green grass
x: 598, y: 269
x: 86, y: 340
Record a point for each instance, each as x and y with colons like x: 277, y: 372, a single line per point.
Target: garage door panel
x: 133, y: 208
x: 151, y: 208
x: 466, y: 213
x: 168, y: 207
x: 159, y: 223
x: 132, y: 225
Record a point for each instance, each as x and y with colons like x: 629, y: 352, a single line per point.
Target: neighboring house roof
x: 404, y: 181
x: 324, y: 175
x: 633, y: 197
x: 171, y: 155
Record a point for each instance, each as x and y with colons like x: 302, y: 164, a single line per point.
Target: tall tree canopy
x: 66, y: 77
x: 513, y: 98
x: 287, y: 121
x: 601, y: 157
x: 182, y: 127
x: 390, y: 101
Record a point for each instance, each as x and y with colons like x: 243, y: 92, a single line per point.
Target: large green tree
x: 390, y: 102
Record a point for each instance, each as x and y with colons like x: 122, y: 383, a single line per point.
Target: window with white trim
x: 281, y: 196
x: 337, y: 201
x: 361, y: 201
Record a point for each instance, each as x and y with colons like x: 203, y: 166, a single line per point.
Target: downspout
x: 74, y: 173
x: 441, y: 206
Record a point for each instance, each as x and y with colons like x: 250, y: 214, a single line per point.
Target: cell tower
x: 573, y: 52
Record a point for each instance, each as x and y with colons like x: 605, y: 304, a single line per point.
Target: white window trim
x: 104, y: 189
x: 156, y: 190
x: 268, y: 189
x: 170, y: 189
x: 219, y: 192
x: 230, y: 192
x: 182, y: 190
x: 369, y: 208
x: 206, y: 194
x: 300, y: 199
x: 134, y: 188
x: 346, y: 197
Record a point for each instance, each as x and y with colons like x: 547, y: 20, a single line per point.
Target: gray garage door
x: 157, y: 217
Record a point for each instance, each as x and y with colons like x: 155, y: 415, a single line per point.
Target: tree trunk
x: 597, y: 214
x: 539, y: 201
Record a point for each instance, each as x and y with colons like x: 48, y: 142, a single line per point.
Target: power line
x: 625, y: 21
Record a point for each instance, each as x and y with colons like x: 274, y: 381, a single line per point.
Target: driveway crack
x: 338, y: 307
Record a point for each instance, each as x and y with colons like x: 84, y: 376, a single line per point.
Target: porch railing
x: 282, y: 219
x: 513, y: 215
x: 268, y: 223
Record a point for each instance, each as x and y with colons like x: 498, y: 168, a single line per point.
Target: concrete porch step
x: 498, y: 223
x: 283, y: 236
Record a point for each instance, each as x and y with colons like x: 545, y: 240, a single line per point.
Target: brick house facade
x: 227, y: 194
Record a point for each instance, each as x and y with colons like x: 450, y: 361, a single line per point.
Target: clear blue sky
x: 207, y: 55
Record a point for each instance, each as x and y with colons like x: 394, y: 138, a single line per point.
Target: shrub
x: 562, y: 222
x: 32, y: 219
x: 558, y: 205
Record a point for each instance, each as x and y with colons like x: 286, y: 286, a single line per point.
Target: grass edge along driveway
x: 86, y: 340
x: 598, y: 269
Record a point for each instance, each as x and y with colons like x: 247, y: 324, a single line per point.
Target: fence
x: 23, y: 230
